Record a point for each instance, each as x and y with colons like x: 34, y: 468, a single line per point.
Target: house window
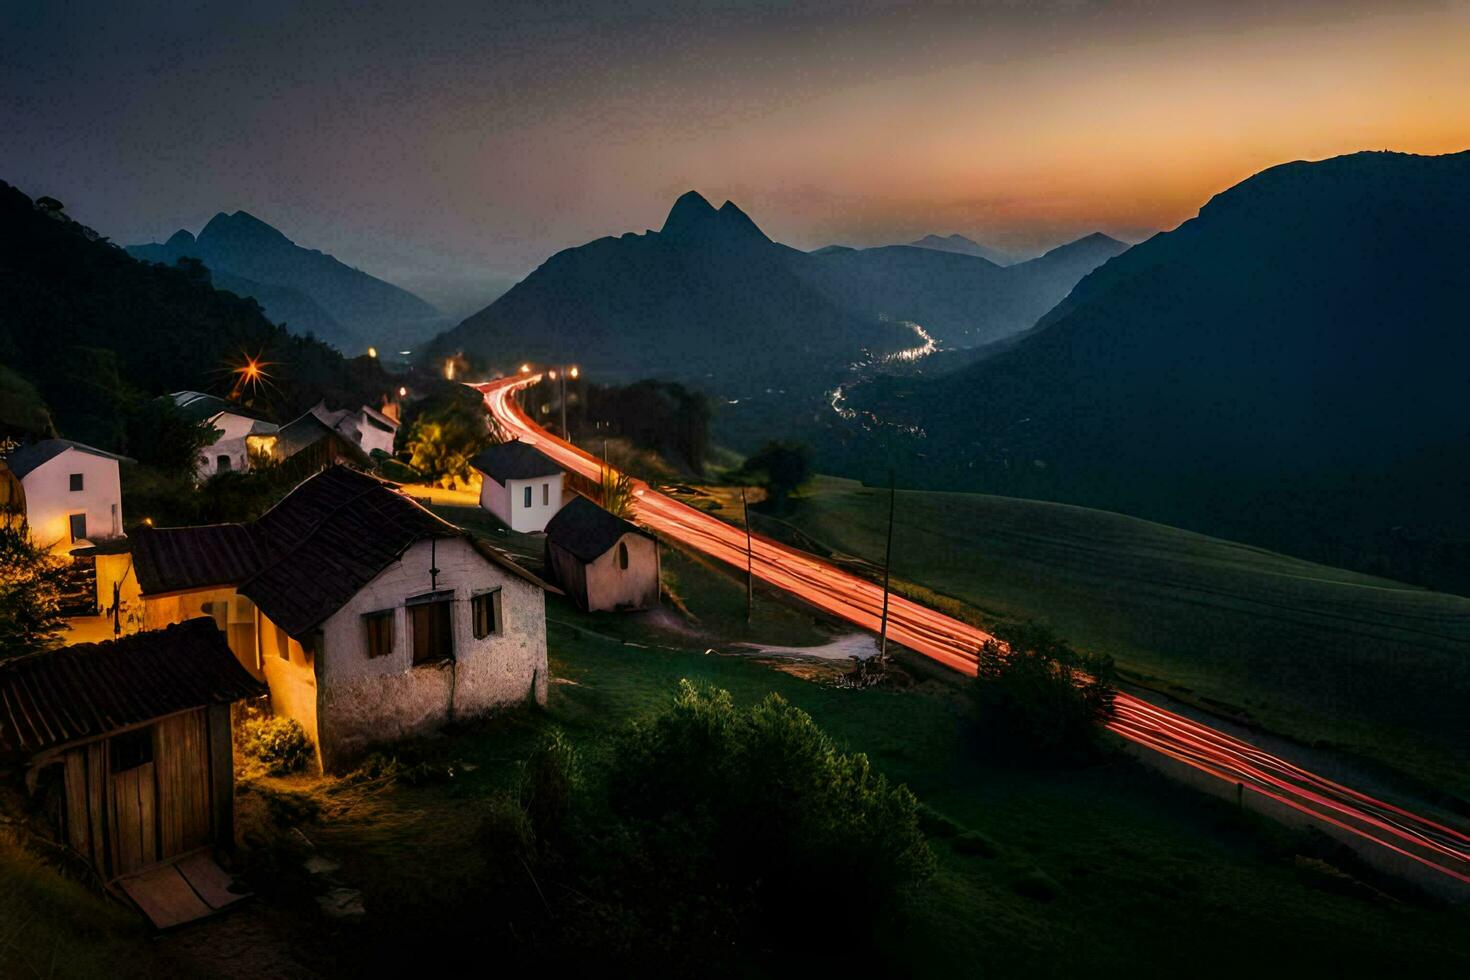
x: 528, y: 496
x: 78, y: 527
x: 223, y: 464
x: 379, y: 632
x: 545, y: 495
x: 76, y: 482
x: 486, y: 610
x: 131, y: 749
x: 623, y: 555
x: 283, y: 644
x: 431, y: 627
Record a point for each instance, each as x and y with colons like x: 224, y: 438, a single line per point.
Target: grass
x: 1109, y: 869
x: 1375, y: 668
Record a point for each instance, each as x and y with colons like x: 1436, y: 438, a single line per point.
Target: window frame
x: 429, y: 600
x: 527, y: 496
x: 546, y: 495
x: 76, y: 482
x: 624, y: 558
x: 492, y: 599
x: 71, y: 525
x: 375, y: 624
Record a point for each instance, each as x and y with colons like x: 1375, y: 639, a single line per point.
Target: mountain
x: 711, y: 299
x: 965, y: 246
x: 961, y: 300
x: 93, y: 332
x: 305, y: 289
x: 708, y: 296
x: 1287, y: 368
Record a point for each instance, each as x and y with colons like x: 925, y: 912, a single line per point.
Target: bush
x: 1040, y: 697
x: 781, y: 467
x: 278, y: 743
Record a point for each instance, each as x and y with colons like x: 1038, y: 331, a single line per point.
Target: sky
x: 453, y: 146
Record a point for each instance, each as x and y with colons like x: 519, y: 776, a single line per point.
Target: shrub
x: 1041, y: 697
x: 280, y: 744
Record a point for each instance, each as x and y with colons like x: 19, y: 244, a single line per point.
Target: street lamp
x: 573, y: 371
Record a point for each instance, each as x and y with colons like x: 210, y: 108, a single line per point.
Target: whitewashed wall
x: 508, y: 502
x: 231, y: 442
x: 50, y: 501
x: 610, y: 587
x: 366, y: 700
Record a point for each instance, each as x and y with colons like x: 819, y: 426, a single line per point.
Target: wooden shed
x: 602, y: 561
x: 126, y: 745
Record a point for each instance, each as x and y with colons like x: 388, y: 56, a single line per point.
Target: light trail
x: 956, y: 645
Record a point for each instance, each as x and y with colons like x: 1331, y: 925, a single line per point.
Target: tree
x: 617, y: 492
x: 445, y: 432
x: 781, y: 467
x: 1041, y: 697
x: 30, y: 592
x: 161, y: 436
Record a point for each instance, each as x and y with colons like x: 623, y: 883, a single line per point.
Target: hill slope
x: 306, y: 289
x: 1287, y: 369
x: 93, y: 328
x: 964, y: 246
x: 710, y: 299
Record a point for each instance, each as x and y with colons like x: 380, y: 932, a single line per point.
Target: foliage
x: 617, y: 492
x: 1041, y: 696
x: 709, y: 827
x: 158, y: 434
x: 279, y: 743
x: 661, y: 416
x: 444, y: 432
x: 30, y: 592
x: 22, y: 410
x: 781, y: 467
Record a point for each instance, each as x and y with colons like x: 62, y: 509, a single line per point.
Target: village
x: 348, y: 611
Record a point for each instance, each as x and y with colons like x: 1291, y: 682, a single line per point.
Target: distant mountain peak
x: 180, y: 240
x: 962, y: 245
x: 694, y: 219
x: 243, y: 226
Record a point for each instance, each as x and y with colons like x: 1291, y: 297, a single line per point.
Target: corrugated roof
x: 88, y: 690
x: 308, y: 430
x: 514, y: 460
x: 172, y: 559
x: 27, y: 458
x: 588, y: 531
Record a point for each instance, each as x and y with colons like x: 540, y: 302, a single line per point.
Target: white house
x: 366, y: 427
x: 67, y: 492
x: 240, y: 432
x: 369, y: 618
x: 522, y: 485
x: 602, y: 561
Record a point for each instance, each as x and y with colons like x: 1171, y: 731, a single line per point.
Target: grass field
x: 1105, y: 870
x: 1378, y: 669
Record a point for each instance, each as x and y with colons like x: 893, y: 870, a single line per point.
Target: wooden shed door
x: 181, y: 766
x: 134, y: 796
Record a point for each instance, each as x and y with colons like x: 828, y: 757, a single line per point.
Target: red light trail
x: 955, y: 645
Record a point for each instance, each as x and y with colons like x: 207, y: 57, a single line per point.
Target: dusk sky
x: 442, y: 144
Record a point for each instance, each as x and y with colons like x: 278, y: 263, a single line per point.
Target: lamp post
x: 564, y: 371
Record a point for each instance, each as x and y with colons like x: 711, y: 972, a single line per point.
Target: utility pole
x: 749, y: 562
x: 564, y: 433
x: 887, y: 568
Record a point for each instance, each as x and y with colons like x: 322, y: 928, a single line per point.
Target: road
x: 1272, y: 784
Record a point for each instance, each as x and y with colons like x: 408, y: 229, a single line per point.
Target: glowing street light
x: 402, y: 392
x: 372, y: 352
x: 525, y: 369
x: 551, y: 374
x: 574, y: 372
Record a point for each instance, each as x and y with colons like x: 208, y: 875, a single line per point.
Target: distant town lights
x: 372, y: 352
x: 402, y: 392
x: 449, y: 369
x: 551, y: 374
x: 574, y: 372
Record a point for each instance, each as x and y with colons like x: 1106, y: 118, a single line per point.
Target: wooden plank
x: 165, y: 759
x: 78, y: 816
x: 97, y: 807
x: 164, y: 896
x: 147, y: 814
x: 126, y: 841
x: 221, y: 776
x: 211, y: 882
x: 195, y: 760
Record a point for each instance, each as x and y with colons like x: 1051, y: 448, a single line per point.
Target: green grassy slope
x: 1374, y: 667
x: 1138, y: 875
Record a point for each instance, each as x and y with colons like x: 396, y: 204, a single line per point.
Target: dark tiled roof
x: 308, y: 430
x: 27, y: 458
x: 172, y: 559
x: 329, y: 538
x: 88, y: 690
x: 196, y: 406
x: 514, y: 460
x: 586, y: 530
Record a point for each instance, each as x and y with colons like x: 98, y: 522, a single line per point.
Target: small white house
x: 604, y: 563
x: 240, y: 432
x: 366, y: 427
x: 522, y: 485
x: 67, y: 492
x: 372, y: 618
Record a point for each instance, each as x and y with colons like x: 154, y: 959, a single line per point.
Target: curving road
x: 1352, y: 815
